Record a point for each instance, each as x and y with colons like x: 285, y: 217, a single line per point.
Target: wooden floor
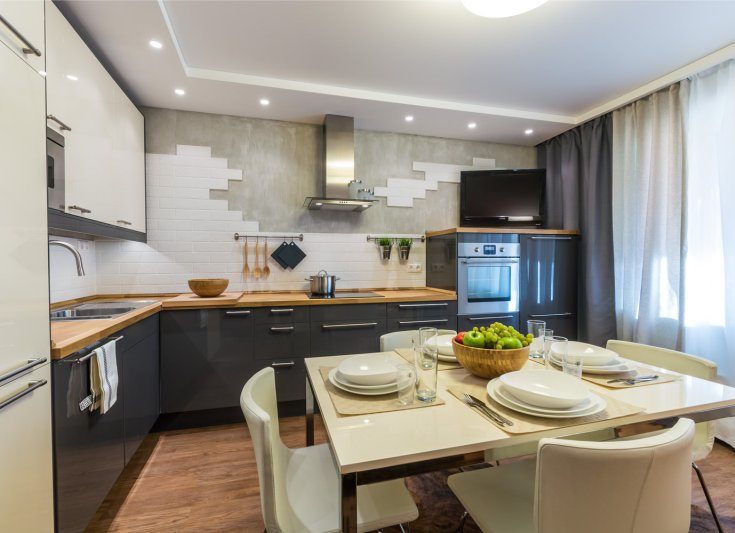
x: 206, y: 480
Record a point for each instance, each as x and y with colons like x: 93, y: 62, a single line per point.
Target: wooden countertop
x: 503, y: 230
x: 70, y: 336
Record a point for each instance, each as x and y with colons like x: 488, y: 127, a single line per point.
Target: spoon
x: 266, y: 268
x: 257, y: 271
x: 246, y: 268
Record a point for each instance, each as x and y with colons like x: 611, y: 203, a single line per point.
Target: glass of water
x: 571, y: 363
x: 534, y: 327
x: 406, y: 378
x: 427, y: 359
x: 546, y: 335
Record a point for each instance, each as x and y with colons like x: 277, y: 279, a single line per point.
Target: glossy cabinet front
x: 22, y: 30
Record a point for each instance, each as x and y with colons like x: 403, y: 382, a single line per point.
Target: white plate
x: 542, y: 388
x: 362, y: 392
x: 504, y: 394
x: 346, y: 382
x: 443, y: 344
x: 591, y: 355
x: 612, y: 369
x: 598, y: 405
x: 369, y: 369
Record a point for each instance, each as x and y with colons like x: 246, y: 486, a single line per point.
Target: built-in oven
x: 488, y: 278
x: 55, y: 169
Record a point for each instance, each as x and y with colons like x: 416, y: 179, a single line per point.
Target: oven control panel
x: 489, y: 250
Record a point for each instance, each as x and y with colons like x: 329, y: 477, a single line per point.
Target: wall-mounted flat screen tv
x: 496, y: 198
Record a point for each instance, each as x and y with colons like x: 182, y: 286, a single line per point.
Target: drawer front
x: 342, y: 337
x: 132, y: 335
x: 286, y: 314
x: 361, y: 312
x: 275, y: 341
x: 290, y: 378
x: 420, y: 310
x: 445, y: 322
x: 465, y: 323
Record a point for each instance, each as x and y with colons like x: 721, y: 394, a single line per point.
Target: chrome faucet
x: 77, y: 255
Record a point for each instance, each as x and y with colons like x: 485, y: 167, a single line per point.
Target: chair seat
x: 499, y: 499
x: 312, y: 488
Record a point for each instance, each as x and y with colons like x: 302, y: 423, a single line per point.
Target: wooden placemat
x: 347, y: 404
x: 602, y: 379
x: 407, y: 354
x: 523, y: 423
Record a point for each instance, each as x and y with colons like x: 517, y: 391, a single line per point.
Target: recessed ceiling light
x: 71, y: 77
x: 500, y: 8
x: 264, y: 102
x: 180, y: 92
x: 408, y: 118
x: 529, y: 131
x: 472, y: 125
x: 155, y: 44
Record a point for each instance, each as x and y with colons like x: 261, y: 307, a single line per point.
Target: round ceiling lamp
x: 500, y: 8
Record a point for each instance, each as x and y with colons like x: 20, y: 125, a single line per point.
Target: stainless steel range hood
x: 341, y: 191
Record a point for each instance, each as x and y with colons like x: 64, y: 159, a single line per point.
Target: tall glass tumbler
x: 534, y: 327
x: 571, y: 363
x: 546, y: 336
x: 406, y: 378
x: 427, y: 359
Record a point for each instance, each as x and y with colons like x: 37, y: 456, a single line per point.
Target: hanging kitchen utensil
x: 266, y: 268
x: 257, y: 271
x: 245, y: 268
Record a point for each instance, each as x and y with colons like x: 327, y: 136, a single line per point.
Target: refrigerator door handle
x: 32, y: 385
x: 30, y: 364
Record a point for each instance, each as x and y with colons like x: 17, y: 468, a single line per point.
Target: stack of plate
x: 595, y: 360
x: 444, y: 347
x: 545, y: 394
x: 368, y: 375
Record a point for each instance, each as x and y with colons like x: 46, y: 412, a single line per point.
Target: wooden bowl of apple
x: 492, y: 351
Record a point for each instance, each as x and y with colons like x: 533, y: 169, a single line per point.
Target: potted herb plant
x: 404, y: 249
x: 385, y: 245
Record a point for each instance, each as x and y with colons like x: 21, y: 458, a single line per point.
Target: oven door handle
x: 490, y: 261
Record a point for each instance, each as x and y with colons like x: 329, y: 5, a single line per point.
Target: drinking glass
x: 427, y: 359
x: 570, y: 363
x: 406, y: 377
x: 534, y: 327
x: 545, y: 335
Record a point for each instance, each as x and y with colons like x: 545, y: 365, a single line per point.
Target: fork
x: 485, y: 410
x: 634, y: 380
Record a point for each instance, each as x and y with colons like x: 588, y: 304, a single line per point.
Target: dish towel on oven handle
x: 103, y: 377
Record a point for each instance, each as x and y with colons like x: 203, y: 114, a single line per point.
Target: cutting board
x: 192, y: 300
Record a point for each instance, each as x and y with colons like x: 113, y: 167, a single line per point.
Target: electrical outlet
x: 414, y: 267
x: 83, y: 245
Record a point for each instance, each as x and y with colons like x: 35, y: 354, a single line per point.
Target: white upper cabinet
x: 102, y: 129
x: 21, y: 29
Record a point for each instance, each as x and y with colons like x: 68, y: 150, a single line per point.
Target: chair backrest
x: 402, y: 339
x: 259, y: 405
x: 681, y: 362
x: 636, y: 486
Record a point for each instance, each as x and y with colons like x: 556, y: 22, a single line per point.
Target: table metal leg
x: 348, y: 503
x: 309, y: 413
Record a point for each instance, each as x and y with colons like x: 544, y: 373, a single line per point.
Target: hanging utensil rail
x: 422, y: 238
x: 299, y: 237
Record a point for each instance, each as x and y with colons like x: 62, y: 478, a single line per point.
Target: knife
x: 633, y: 381
x: 484, y: 406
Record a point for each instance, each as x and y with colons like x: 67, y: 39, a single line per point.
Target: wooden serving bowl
x: 208, y: 287
x: 487, y: 363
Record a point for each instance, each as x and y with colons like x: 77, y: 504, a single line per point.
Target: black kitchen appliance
x: 497, y: 198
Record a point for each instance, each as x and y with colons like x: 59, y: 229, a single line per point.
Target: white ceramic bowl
x: 545, y: 388
x: 369, y: 369
x: 590, y: 354
x: 443, y: 344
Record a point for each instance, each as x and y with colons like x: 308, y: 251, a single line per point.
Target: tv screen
x: 502, y: 197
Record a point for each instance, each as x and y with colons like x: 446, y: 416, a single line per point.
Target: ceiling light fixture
x: 155, y: 44
x: 72, y: 77
x: 264, y: 102
x: 180, y: 92
x: 472, y: 125
x: 500, y: 8
x: 529, y: 131
x: 408, y: 118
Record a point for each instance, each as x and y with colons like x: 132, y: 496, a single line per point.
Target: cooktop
x: 341, y: 295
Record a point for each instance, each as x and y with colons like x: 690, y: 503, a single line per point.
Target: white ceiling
x: 379, y: 61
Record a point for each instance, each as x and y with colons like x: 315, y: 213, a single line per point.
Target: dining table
x: 376, y: 447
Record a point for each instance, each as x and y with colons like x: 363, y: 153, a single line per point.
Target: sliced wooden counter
x: 521, y: 231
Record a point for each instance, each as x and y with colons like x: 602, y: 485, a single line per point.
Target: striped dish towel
x: 103, y: 378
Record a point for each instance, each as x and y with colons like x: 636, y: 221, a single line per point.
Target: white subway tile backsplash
x: 196, y: 151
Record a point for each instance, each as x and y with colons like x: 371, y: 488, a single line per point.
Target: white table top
x: 366, y: 442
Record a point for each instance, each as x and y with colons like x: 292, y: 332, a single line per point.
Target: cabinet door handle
x: 419, y: 322
x: 282, y: 311
x: 125, y: 222
x: 359, y: 325
x: 28, y: 47
x: 553, y: 315
x: 62, y: 126
x: 29, y: 364
x: 80, y: 209
x: 237, y: 313
x: 550, y: 238
x: 422, y: 306
x: 478, y: 318
x: 282, y: 329
x: 283, y: 365
x: 32, y: 385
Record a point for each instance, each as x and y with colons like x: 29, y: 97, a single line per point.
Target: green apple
x: 474, y: 339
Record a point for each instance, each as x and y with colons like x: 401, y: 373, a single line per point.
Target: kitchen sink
x: 98, y: 310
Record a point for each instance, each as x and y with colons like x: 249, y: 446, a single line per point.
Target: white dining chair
x: 299, y: 487
x: 403, y: 339
x: 690, y: 365
x: 635, y: 486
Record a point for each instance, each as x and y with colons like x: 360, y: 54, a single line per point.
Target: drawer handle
x: 478, y: 318
x: 552, y: 315
x: 549, y: 238
x: 62, y: 126
x: 282, y: 329
x: 32, y: 385
x: 359, y: 325
x: 28, y: 47
x: 421, y: 306
x: 80, y: 209
x: 125, y: 222
x: 30, y: 364
x: 282, y: 311
x: 417, y: 322
x: 237, y: 313
x: 283, y: 365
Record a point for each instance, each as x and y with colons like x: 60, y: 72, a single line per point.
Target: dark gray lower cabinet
x: 339, y: 337
x: 141, y: 392
x: 465, y: 323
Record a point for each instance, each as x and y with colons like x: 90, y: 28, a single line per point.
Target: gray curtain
x: 579, y: 196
